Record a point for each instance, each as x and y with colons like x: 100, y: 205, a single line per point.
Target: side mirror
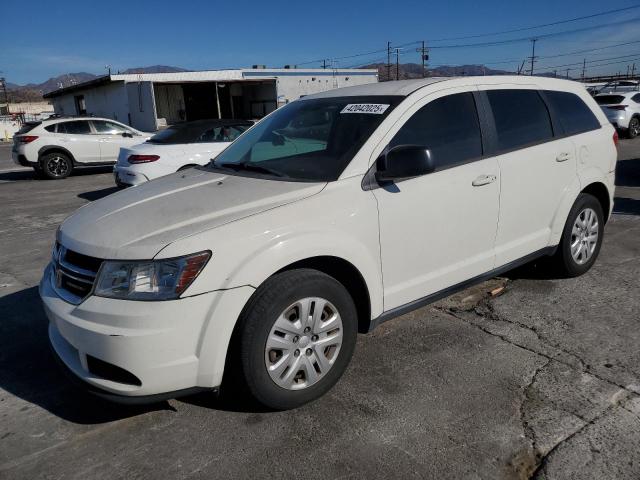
x: 127, y: 135
x: 404, y: 161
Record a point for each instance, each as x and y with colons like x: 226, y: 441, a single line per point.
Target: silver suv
x: 623, y: 110
x: 54, y: 147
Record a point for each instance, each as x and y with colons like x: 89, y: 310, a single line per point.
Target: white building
x: 149, y: 101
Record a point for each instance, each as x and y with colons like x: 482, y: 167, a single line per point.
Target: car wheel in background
x: 295, y: 338
x: 634, y: 128
x: 581, y: 237
x: 56, y: 165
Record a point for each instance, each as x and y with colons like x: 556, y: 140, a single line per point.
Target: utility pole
x: 388, y: 61
x: 324, y: 63
x: 568, y: 73
x: 633, y: 69
x: 584, y: 67
x: 521, y: 67
x: 424, y: 55
x: 628, y: 69
x: 3, y: 83
x: 533, y: 53
x: 397, y: 64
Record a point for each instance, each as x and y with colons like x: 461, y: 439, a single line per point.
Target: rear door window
x: 76, y: 127
x: 573, y: 113
x: 448, y: 126
x: 109, y: 128
x: 521, y: 118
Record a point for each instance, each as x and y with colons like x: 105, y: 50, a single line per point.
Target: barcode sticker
x: 372, y: 108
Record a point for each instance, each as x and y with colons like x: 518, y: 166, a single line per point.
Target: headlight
x: 149, y: 280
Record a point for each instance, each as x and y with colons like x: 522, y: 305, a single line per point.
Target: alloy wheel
x: 584, y: 236
x: 303, y: 343
x: 57, y: 166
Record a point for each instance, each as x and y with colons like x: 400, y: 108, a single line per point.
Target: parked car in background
x: 623, y: 111
x: 178, y: 147
x: 262, y: 266
x: 54, y: 147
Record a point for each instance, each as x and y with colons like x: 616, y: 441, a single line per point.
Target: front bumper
x: 172, y: 347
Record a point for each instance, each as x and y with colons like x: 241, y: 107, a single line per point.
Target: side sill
x: 434, y: 297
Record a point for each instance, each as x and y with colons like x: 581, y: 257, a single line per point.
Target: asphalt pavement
x: 540, y: 379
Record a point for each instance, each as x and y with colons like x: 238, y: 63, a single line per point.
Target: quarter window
x: 573, y: 113
x: 521, y: 118
x: 77, y: 127
x: 636, y: 98
x: 448, y: 126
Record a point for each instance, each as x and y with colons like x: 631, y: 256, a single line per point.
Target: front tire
x: 296, y: 337
x: 56, y: 166
x: 581, y: 238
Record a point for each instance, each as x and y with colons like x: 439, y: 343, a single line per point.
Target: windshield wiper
x: 249, y: 167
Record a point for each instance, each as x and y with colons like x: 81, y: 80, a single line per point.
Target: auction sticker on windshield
x: 374, y: 108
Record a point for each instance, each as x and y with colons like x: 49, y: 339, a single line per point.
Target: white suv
x: 53, y: 148
x: 333, y: 214
x: 623, y: 111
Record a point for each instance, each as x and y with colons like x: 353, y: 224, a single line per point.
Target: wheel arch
x: 55, y: 149
x: 348, y: 275
x: 601, y: 192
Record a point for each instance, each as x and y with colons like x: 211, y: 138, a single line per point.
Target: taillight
x: 142, y: 158
x: 27, y: 138
x: 615, y: 138
x: 617, y: 107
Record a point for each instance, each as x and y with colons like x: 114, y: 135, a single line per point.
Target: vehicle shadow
x: 628, y: 173
x: 20, y: 175
x: 98, y: 194
x: 29, y: 371
x: 626, y: 206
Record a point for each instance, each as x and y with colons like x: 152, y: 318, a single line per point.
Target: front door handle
x: 484, y: 180
x: 563, y: 157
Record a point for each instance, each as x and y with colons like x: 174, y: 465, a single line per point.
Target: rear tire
x: 56, y: 166
x: 294, y: 339
x: 634, y: 128
x: 581, y: 238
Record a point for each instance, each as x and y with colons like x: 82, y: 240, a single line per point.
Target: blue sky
x: 39, y: 40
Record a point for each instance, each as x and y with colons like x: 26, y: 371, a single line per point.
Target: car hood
x: 138, y: 222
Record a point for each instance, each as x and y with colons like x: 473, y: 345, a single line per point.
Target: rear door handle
x: 563, y: 157
x: 484, y: 180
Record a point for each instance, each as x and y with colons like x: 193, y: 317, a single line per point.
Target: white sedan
x: 178, y: 147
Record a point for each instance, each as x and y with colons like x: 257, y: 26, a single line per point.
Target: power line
x: 527, y: 39
x: 523, y: 29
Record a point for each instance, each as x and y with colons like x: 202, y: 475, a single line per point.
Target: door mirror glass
x: 404, y: 161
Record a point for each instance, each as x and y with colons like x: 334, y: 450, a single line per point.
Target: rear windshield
x: 199, y: 133
x: 609, y: 99
x: 27, y: 127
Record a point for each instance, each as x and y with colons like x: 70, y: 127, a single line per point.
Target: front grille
x: 73, y: 274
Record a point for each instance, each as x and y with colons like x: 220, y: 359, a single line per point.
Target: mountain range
x: 32, y: 92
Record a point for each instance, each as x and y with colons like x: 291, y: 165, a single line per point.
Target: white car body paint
x: 434, y: 232
x: 172, y: 158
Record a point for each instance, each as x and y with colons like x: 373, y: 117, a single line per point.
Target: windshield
x: 609, y: 99
x: 307, y: 140
x: 199, y: 133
